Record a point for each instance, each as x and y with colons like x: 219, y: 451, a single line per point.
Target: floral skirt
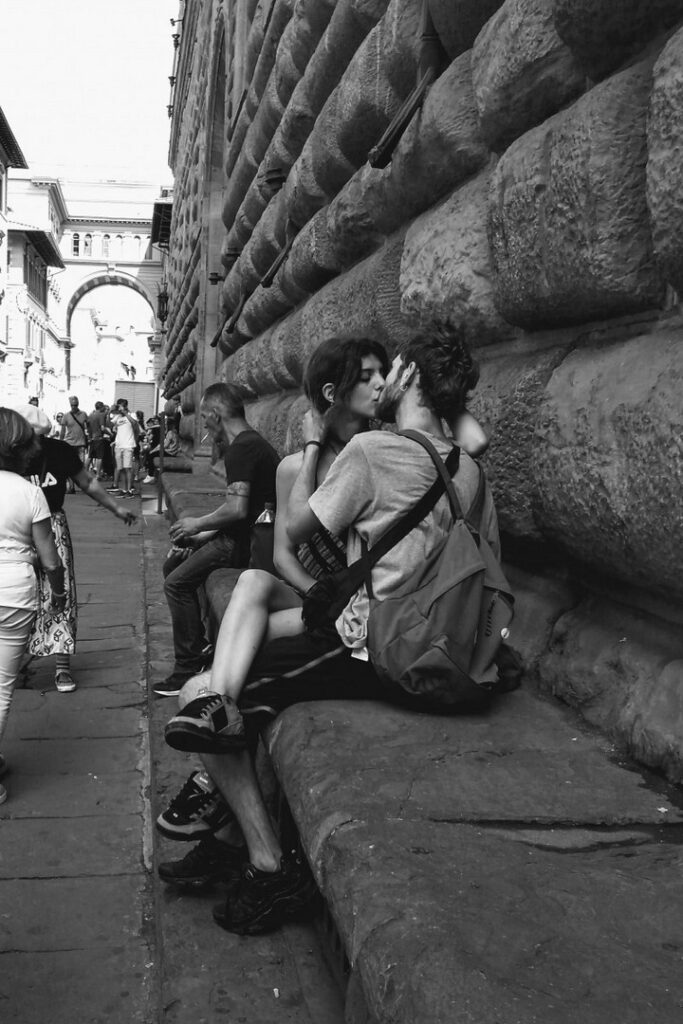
x: 55, y: 633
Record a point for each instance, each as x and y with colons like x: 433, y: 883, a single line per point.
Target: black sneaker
x: 197, y: 810
x: 210, y: 724
x: 208, y: 862
x: 264, y: 900
x: 173, y: 684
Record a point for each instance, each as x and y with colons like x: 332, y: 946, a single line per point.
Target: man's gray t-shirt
x: 75, y: 428
x: 374, y: 481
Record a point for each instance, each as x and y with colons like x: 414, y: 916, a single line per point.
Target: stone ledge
x: 485, y: 868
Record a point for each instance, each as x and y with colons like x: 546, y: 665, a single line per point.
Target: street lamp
x: 162, y: 305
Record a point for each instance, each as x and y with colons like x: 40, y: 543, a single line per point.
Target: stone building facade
x: 535, y: 199
x: 67, y: 238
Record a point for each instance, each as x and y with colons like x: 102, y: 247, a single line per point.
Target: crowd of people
x: 358, y: 507
x: 114, y: 444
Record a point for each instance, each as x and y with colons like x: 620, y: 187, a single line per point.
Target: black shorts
x: 309, y: 666
x: 98, y: 448
x: 313, y: 666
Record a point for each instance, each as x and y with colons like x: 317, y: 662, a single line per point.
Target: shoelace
x: 189, y: 792
x: 212, y: 704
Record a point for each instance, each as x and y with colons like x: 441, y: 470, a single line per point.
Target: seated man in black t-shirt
x: 250, y: 464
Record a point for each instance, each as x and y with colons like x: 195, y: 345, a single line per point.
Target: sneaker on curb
x: 173, y: 684
x: 64, y: 682
x: 197, y: 810
x: 209, y: 724
x: 148, y: 480
x: 208, y: 862
x: 265, y: 900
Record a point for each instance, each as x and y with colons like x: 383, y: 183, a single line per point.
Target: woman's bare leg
x: 261, y: 606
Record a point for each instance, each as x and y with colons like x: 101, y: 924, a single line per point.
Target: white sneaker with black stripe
x: 209, y: 724
x: 197, y: 810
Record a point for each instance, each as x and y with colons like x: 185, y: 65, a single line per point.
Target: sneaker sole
x: 191, y: 739
x: 197, y: 884
x: 189, y: 832
x: 166, y: 693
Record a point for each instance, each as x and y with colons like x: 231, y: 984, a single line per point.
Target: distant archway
x: 100, y: 280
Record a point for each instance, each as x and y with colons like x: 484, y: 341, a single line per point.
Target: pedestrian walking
x: 127, y: 432
x: 75, y: 431
x: 54, y: 465
x: 25, y: 531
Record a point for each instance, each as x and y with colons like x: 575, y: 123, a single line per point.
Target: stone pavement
x: 87, y: 936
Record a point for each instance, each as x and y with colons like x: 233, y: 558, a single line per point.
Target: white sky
x: 84, y: 85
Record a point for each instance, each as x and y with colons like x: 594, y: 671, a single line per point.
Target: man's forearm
x: 225, y: 515
x: 95, y: 491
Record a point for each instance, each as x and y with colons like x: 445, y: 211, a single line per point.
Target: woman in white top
x: 25, y: 531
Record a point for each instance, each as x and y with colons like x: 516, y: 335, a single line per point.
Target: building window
x: 35, y: 277
x: 105, y: 246
x: 119, y: 246
x: 75, y: 244
x: 87, y: 245
x: 136, y: 242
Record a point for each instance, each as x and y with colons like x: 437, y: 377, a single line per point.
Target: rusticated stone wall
x: 536, y: 200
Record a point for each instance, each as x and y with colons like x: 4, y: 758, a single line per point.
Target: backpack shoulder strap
x: 442, y: 467
x: 414, y: 516
x: 360, y: 570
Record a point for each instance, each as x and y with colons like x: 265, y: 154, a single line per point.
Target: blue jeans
x: 182, y: 580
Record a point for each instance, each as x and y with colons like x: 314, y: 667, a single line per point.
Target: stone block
x: 568, y: 220
x: 607, y: 462
x: 398, y: 43
x: 263, y: 307
x: 312, y: 259
x: 116, y: 987
x: 364, y: 300
x: 507, y: 402
x: 330, y: 166
x: 446, y: 270
x: 303, y: 194
x: 349, y: 25
x: 279, y: 417
x: 665, y: 161
x: 522, y: 71
x: 439, y: 149
x: 499, y: 929
x: 623, y: 670
x: 539, y: 603
x: 262, y: 365
x: 602, y: 33
x: 458, y: 22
